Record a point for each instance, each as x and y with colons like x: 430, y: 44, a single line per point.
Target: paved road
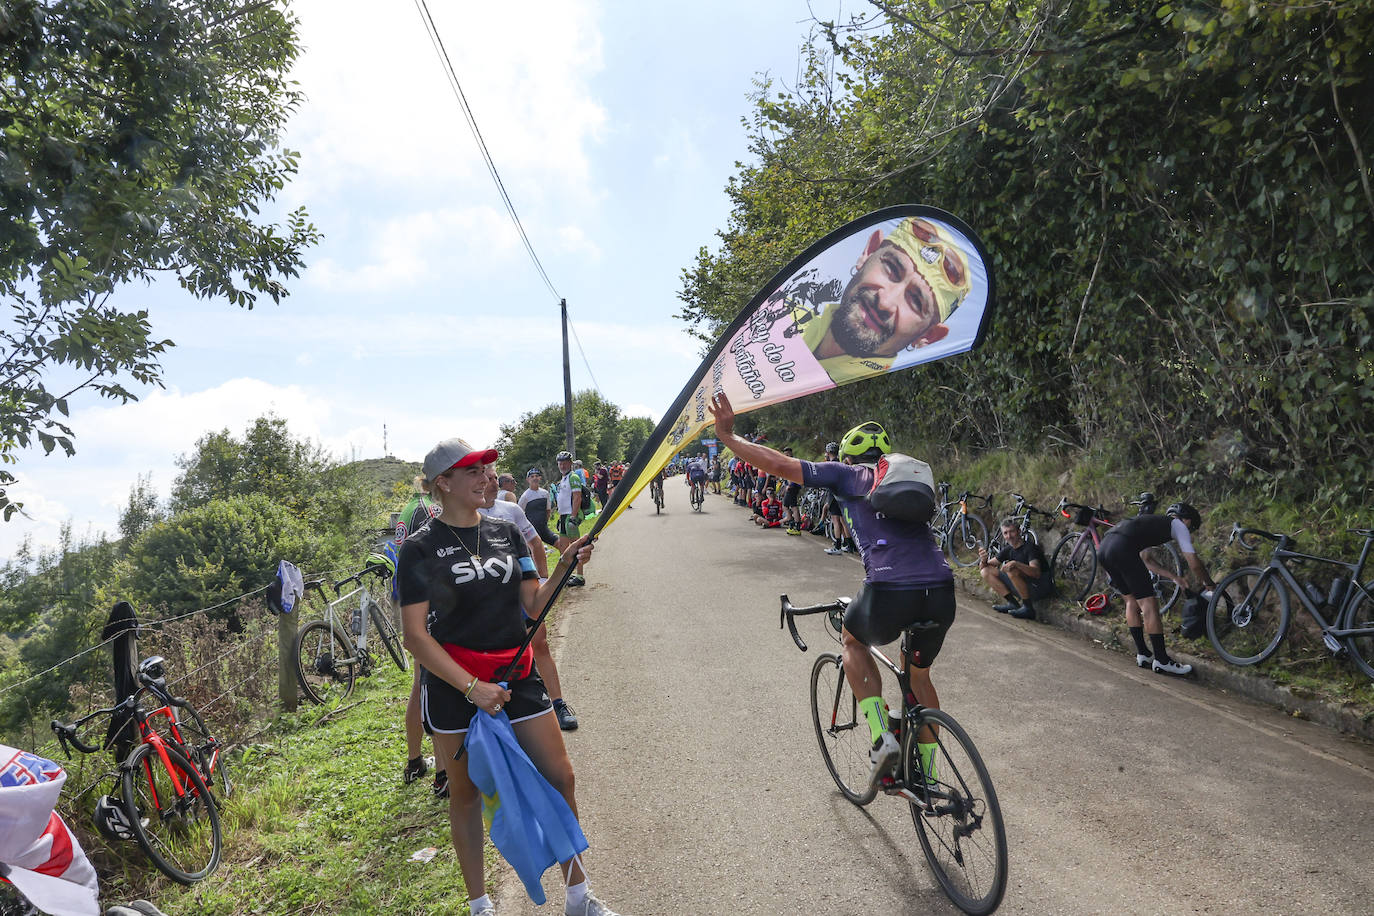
x: 702, y: 790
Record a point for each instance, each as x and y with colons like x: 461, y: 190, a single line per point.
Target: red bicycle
x: 164, y: 801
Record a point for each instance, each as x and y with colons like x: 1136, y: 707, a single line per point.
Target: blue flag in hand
x: 531, y: 824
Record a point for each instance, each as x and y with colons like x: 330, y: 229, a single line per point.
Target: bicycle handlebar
x: 67, y: 731
x: 376, y: 569
x: 788, y: 613
x: 1246, y: 537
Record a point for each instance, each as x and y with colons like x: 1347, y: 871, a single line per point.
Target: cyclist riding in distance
x: 696, y: 472
x: 1124, y: 555
x: 906, y: 577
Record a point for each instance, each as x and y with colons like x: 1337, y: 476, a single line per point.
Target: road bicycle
x: 959, y: 533
x: 329, y: 657
x: 165, y: 802
x: 1250, y: 612
x: 953, y: 804
x: 698, y: 489
x: 656, y: 493
x: 811, y: 507
x: 1021, y: 516
x: 1074, y: 561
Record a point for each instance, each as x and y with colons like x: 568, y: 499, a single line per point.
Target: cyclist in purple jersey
x: 906, y: 577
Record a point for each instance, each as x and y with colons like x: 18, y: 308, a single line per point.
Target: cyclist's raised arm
x: 760, y: 456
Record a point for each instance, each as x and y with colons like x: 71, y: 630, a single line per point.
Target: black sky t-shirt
x: 471, y: 604
x: 1027, y: 552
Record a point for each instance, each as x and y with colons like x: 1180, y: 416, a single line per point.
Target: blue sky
x: 615, y: 126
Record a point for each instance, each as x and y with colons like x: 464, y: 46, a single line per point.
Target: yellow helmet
x: 864, y: 440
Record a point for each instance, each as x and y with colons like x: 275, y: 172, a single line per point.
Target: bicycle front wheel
x: 1074, y: 565
x: 173, y: 814
x: 326, y: 662
x: 841, y: 729
x: 1166, y: 590
x: 387, y: 633
x: 958, y: 821
x: 966, y: 537
x: 1361, y: 648
x: 1248, y: 615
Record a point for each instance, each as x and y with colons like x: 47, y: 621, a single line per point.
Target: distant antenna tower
x: 386, y: 453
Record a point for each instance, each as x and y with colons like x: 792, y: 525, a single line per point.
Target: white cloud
x: 380, y: 109
x: 421, y: 247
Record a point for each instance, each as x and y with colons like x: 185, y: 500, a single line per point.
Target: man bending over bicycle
x: 906, y: 577
x: 1124, y: 554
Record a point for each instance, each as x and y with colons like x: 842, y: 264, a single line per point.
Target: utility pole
x: 385, y: 452
x: 567, y: 383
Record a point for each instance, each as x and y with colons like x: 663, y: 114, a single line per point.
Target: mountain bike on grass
x: 959, y: 533
x: 952, y: 802
x: 1251, y: 609
x: 328, y: 656
x: 164, y: 802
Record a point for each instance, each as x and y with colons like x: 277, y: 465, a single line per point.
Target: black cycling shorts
x: 789, y: 496
x: 1125, y: 569
x: 541, y: 528
x: 444, y: 709
x: 1039, y: 588
x: 880, y: 613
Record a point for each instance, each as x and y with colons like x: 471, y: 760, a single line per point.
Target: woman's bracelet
x: 467, y: 694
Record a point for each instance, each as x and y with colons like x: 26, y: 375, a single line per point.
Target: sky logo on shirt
x: 495, y: 567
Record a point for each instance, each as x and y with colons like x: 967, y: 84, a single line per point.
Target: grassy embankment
x: 321, y: 823
x: 1302, y: 664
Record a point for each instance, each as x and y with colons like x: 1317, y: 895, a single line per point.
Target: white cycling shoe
x: 883, y: 757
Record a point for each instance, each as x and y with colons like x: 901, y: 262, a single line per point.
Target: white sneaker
x: 1143, y: 661
x: 883, y: 757
x: 1177, y: 669
x: 590, y: 907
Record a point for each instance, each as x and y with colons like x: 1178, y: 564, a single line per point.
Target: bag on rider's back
x: 903, y: 488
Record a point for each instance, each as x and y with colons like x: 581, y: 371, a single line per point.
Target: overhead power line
x: 457, y: 87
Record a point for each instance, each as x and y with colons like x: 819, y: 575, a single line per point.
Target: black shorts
x: 789, y: 497
x: 1039, y: 588
x: 880, y: 613
x: 1125, y: 569
x: 445, y: 710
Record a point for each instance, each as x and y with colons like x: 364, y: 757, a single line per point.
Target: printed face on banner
x: 906, y: 291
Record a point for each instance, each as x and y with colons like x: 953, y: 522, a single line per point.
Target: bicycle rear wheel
x: 960, y: 822
x: 1248, y: 615
x: 1166, y: 590
x: 204, y: 750
x: 1361, y: 648
x: 1074, y: 565
x: 967, y: 535
x: 387, y: 633
x: 326, y: 662
x: 841, y: 729
x: 173, y: 814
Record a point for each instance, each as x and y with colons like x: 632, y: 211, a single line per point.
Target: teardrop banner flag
x: 894, y: 289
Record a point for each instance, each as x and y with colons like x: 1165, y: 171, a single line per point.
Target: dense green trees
x: 1178, y: 204
x: 136, y: 139
x: 242, y: 504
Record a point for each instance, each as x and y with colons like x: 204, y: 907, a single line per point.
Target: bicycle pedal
x: 1333, y: 644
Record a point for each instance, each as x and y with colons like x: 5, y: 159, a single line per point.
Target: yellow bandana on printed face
x: 937, y: 259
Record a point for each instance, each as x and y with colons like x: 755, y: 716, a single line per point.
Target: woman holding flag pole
x: 466, y: 581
